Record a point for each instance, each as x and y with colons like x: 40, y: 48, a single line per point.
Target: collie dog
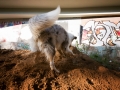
x: 48, y: 37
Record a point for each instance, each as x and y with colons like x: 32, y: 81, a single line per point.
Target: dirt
x: 23, y: 70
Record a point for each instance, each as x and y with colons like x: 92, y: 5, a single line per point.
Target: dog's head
x: 71, y: 37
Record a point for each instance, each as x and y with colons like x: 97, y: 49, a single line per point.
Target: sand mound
x: 22, y: 70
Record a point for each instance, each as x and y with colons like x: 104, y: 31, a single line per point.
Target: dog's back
x: 55, y: 36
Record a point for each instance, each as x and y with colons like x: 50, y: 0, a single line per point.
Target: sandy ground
x: 22, y: 70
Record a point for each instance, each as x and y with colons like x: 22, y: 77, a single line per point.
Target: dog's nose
x: 75, y: 37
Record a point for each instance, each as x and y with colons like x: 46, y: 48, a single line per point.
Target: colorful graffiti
x: 12, y: 23
x: 101, y: 33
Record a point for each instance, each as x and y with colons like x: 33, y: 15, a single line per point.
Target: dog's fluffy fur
x: 49, y: 37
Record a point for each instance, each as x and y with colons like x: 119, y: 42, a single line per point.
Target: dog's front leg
x: 68, y: 50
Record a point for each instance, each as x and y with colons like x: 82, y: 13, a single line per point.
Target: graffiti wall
x: 101, y: 31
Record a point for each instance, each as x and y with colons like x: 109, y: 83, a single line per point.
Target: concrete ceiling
x: 80, y: 8
x: 54, y: 3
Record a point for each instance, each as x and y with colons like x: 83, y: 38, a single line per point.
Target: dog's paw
x: 52, y: 66
x: 57, y: 71
x: 73, y: 54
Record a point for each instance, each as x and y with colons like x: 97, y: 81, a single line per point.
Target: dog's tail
x: 41, y: 22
